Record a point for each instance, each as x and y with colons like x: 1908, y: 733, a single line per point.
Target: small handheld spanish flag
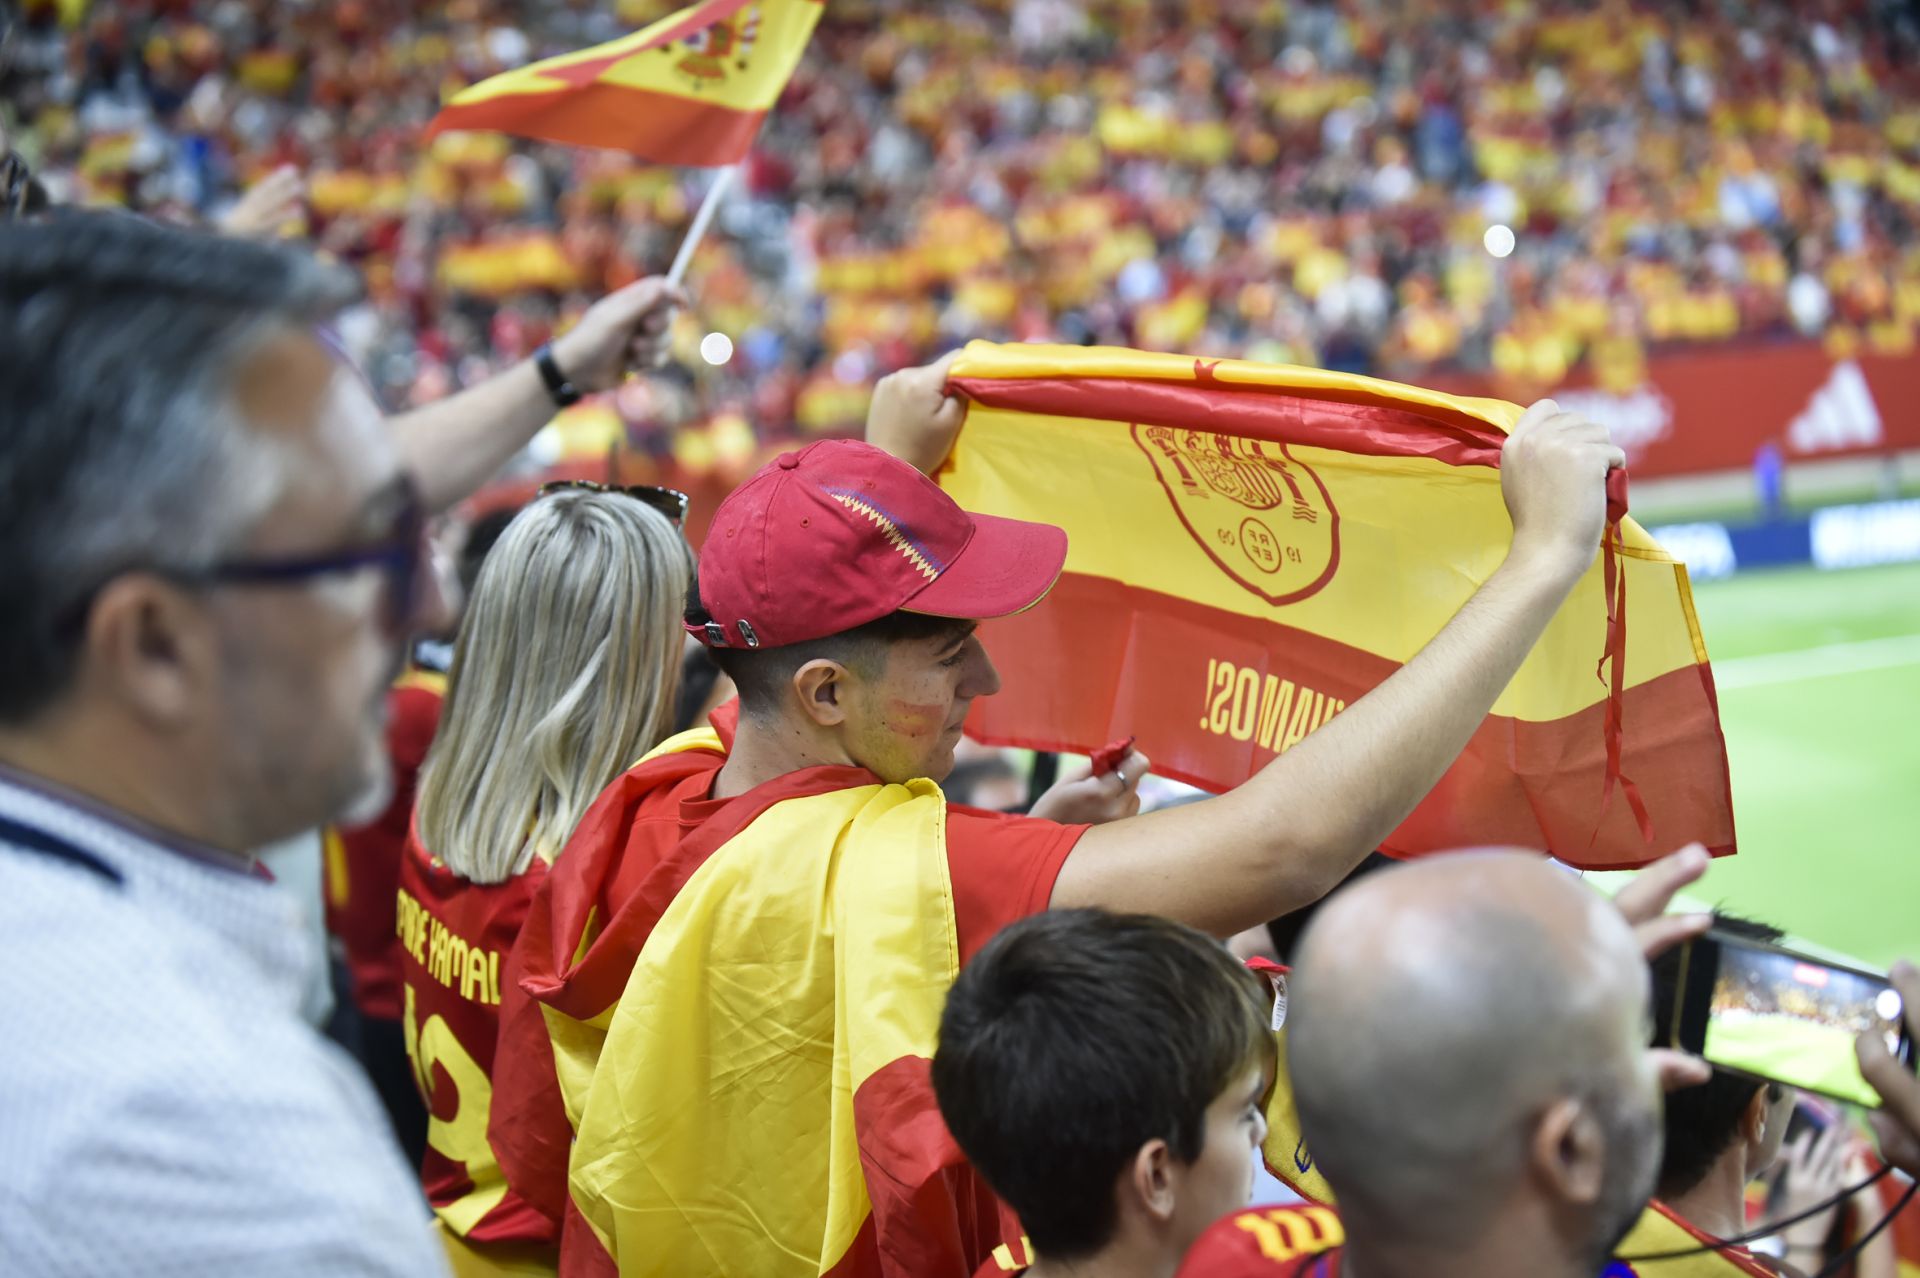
x: 690, y: 89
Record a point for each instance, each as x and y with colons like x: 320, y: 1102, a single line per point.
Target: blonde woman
x: 564, y: 672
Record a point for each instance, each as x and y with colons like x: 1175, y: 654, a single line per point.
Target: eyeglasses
x: 670, y: 502
x: 401, y: 558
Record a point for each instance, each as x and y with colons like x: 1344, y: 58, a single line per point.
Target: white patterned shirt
x: 163, y: 1108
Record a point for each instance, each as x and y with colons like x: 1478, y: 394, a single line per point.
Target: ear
x: 822, y: 686
x: 151, y: 647
x: 1753, y: 1122
x: 1569, y: 1152
x: 1148, y: 1181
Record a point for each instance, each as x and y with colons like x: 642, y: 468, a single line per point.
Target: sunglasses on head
x: 670, y: 502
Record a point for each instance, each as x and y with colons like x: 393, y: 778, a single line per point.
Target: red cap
x: 839, y: 534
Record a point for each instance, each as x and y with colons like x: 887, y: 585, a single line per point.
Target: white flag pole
x: 701, y: 220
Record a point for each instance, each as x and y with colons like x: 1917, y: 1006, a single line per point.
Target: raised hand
x: 913, y: 417
x: 1644, y: 902
x: 267, y: 205
x: 622, y: 332
x: 1553, y: 474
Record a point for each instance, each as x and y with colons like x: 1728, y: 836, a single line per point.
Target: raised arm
x: 453, y: 446
x: 1292, y: 831
x: 1295, y: 829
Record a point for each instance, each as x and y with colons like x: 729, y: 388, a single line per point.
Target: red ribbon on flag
x: 1615, y: 654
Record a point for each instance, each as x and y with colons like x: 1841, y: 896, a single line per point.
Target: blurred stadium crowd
x: 1291, y: 182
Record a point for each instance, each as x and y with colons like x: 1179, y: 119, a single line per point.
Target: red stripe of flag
x: 1525, y: 782
x: 661, y: 127
x: 1281, y: 414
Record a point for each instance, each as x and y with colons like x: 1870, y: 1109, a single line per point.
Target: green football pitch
x: 1819, y: 680
x: 1797, y: 1051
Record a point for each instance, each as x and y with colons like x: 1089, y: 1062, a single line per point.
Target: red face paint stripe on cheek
x: 915, y: 719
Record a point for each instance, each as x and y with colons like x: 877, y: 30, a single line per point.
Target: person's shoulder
x: 491, y: 908
x: 1269, y: 1242
x: 265, y: 1155
x: 129, y: 1044
x: 1003, y: 867
x: 414, y: 705
x: 420, y: 687
x: 68, y: 927
x: 986, y: 823
x: 996, y: 841
x: 1001, y: 839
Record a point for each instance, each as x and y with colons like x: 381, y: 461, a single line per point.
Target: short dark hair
x: 762, y: 674
x: 1701, y: 1121
x: 1074, y: 1038
x: 118, y: 342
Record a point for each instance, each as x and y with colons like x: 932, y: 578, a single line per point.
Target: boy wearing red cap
x: 806, y: 849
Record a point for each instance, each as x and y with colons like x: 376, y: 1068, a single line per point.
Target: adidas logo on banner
x: 1841, y: 414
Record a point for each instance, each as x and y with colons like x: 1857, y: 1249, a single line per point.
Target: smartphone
x: 1772, y: 1014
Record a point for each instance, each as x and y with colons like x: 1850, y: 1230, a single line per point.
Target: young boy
x: 1106, y: 1073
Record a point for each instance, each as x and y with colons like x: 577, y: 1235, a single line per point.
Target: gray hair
x: 119, y: 340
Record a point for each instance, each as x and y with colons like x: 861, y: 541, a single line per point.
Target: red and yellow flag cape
x: 1659, y: 1231
x: 752, y: 1094
x: 1285, y: 1149
x: 1253, y: 548
x: 690, y: 89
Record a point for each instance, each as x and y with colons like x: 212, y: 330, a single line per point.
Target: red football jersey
x: 454, y: 937
x: 363, y: 864
x: 1269, y: 1242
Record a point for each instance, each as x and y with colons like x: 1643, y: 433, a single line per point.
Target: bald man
x: 1467, y: 1042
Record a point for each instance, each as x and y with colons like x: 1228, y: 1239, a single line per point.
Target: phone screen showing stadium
x: 1790, y: 1018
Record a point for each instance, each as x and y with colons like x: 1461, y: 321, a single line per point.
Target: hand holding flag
x: 1091, y: 796
x: 1557, y: 509
x: 621, y: 332
x: 913, y: 417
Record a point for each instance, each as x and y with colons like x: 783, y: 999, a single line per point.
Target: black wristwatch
x: 564, y: 392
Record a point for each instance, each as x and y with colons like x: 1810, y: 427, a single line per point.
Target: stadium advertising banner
x: 1714, y: 409
x: 1253, y: 547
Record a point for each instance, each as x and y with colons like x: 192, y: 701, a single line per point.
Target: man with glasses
x: 213, y: 565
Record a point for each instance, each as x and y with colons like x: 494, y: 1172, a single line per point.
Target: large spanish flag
x: 690, y: 89
x: 741, y: 1020
x: 1253, y: 548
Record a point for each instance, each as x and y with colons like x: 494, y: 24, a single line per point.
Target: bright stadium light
x: 716, y: 348
x: 1887, y: 1004
x: 1499, y: 240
